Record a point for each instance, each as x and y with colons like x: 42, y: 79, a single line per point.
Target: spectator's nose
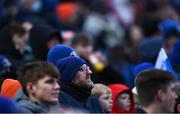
x: 89, y: 71
x: 57, y: 86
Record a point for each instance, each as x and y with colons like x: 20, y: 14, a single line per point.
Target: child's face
x: 106, y: 101
x: 123, y: 101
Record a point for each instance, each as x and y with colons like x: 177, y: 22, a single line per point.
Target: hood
x: 10, y: 87
x: 116, y: 90
x: 39, y: 35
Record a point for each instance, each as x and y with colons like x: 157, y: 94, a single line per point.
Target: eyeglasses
x: 84, y: 68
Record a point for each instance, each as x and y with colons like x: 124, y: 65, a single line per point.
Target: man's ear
x: 75, y: 80
x: 178, y: 108
x: 29, y: 87
x: 160, y: 95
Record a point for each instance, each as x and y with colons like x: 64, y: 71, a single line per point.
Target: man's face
x: 20, y: 41
x: 106, y: 101
x: 46, y: 90
x: 169, y: 99
x: 83, y: 77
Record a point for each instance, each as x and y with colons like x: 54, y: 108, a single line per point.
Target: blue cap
x: 4, y: 62
x: 60, y: 51
x: 141, y: 67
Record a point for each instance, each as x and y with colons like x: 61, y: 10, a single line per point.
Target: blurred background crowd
x: 112, y: 36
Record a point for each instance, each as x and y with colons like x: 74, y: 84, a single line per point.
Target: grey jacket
x: 29, y: 106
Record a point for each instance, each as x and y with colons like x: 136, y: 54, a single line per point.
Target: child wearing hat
x: 122, y: 99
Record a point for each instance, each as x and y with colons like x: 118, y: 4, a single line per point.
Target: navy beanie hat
x: 60, y: 51
x: 4, y: 62
x: 141, y: 67
x: 176, y: 53
x: 68, y: 68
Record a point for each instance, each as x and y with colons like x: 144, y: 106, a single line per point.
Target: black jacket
x: 79, y: 98
x: 39, y: 36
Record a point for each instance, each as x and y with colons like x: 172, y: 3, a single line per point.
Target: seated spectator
x: 177, y: 105
x: 122, y: 99
x: 137, y: 69
x: 170, y: 33
x: 40, y: 87
x: 10, y: 87
x: 104, y: 94
x: 14, y: 43
x: 76, y: 85
x: 83, y: 45
x: 155, y: 91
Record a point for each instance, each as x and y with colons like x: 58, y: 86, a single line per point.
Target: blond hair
x: 100, y: 89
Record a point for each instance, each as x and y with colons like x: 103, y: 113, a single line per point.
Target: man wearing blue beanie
x: 170, y: 32
x: 60, y: 51
x: 76, y: 85
x: 169, y: 28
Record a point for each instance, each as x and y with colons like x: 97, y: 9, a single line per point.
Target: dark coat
x: 39, y: 36
x: 77, y: 99
x: 7, y: 47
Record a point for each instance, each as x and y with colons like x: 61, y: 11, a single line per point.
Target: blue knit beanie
x: 4, y: 62
x: 60, y: 51
x: 169, y: 27
x: 141, y: 67
x: 68, y: 68
x: 176, y: 53
x: 8, y: 106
